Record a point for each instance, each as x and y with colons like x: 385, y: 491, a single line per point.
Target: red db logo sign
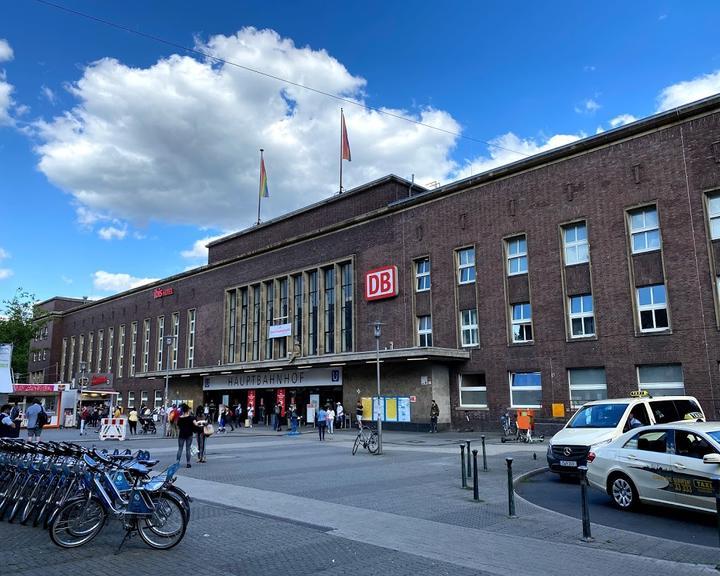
x: 381, y: 283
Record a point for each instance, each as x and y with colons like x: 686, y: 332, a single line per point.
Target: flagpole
x: 259, y: 190
x: 341, y: 149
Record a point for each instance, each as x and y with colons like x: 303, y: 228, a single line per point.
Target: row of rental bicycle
x: 73, y: 491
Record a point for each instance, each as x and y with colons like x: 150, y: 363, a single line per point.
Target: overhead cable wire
x: 217, y: 59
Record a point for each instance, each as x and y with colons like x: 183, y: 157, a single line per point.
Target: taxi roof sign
x: 639, y: 394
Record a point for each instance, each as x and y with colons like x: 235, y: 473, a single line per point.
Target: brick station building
x: 584, y: 272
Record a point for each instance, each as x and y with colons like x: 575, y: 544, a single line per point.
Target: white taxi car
x: 670, y: 464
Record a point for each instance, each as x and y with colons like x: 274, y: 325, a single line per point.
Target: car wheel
x: 623, y: 492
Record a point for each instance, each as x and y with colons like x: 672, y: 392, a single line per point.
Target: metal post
x: 587, y: 536
x: 462, y: 465
x: 83, y: 367
x: 511, y: 492
x: 476, y: 493
x: 469, y: 468
x: 168, y: 342
x: 377, y: 364
x: 485, y: 469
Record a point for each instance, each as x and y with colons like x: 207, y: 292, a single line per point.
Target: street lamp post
x: 169, y: 340
x: 378, y: 331
x: 83, y: 368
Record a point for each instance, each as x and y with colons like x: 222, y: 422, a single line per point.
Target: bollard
x: 484, y: 455
x: 511, y: 492
x: 587, y: 536
x: 469, y: 469
x: 716, y: 491
x: 476, y: 493
x: 462, y: 465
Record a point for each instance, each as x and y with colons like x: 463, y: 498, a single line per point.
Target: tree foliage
x: 19, y: 322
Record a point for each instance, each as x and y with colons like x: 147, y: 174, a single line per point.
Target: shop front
x: 58, y: 401
x: 263, y: 390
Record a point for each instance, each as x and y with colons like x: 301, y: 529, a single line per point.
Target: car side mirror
x: 711, y: 459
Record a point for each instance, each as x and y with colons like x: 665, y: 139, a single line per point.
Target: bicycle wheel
x: 33, y: 502
x: 356, y: 444
x: 166, y: 527
x: 372, y: 443
x: 77, y: 522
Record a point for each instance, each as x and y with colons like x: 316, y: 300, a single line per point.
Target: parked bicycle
x: 367, y: 438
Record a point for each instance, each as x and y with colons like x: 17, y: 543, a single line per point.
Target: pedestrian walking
x: 200, y: 433
x: 238, y: 414
x: 133, y: 420
x: 7, y: 426
x: 330, y: 419
x: 434, y: 413
x: 172, y: 418
x: 34, y: 428
x: 84, y: 417
x: 221, y: 418
x: 250, y: 415
x: 321, y: 422
x: 359, y: 413
x: 186, y: 428
x: 276, y: 417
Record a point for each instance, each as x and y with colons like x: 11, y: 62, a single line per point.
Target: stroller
x: 147, y: 425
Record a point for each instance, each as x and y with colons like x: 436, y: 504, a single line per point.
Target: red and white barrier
x: 113, y: 428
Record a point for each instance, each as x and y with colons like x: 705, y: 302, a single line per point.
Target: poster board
x: 378, y: 408
x: 403, y: 409
x: 391, y: 409
x: 367, y: 408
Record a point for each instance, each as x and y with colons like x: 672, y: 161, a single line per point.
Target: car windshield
x: 715, y: 435
x: 598, y: 416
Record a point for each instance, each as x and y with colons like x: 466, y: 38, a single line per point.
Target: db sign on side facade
x: 381, y: 283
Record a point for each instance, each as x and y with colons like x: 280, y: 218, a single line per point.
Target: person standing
x: 330, y: 419
x: 33, y: 428
x: 359, y: 413
x: 340, y: 414
x: 251, y: 414
x: 7, y: 425
x: 238, y: 415
x: 186, y: 428
x: 276, y: 417
x: 434, y: 413
x: 16, y: 417
x: 84, y: 417
x: 321, y: 422
x: 200, y: 433
x: 221, y: 418
x: 133, y: 420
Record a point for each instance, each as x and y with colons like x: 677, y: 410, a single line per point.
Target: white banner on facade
x: 280, y: 331
x: 6, y: 368
x: 275, y: 379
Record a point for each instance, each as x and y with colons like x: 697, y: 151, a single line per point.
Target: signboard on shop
x: 275, y: 379
x: 381, y: 283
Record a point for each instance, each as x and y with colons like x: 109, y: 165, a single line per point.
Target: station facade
x: 585, y: 272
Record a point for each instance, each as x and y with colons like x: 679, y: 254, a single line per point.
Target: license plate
x: 568, y: 463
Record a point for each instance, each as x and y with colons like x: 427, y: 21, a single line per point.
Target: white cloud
x: 589, y: 106
x: 199, y: 250
x: 178, y: 141
x: 6, y: 52
x: 4, y: 254
x: 589, y: 68
x: 110, y: 233
x: 689, y: 91
x: 508, y: 146
x: 5, y: 273
x: 119, y: 282
x: 622, y: 119
x: 48, y: 94
x: 66, y: 279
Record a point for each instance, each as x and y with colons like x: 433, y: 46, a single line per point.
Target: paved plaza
x: 267, y: 503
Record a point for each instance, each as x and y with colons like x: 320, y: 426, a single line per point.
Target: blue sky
x: 120, y: 156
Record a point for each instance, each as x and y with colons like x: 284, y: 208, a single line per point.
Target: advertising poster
x: 5, y: 368
x: 403, y: 409
x: 367, y: 408
x: 281, y: 400
x: 391, y: 409
x: 251, y: 398
x: 378, y: 408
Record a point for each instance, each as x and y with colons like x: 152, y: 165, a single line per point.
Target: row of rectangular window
x: 309, y: 301
x: 644, y: 230
x: 104, y: 358
x: 651, y: 306
x: 584, y: 384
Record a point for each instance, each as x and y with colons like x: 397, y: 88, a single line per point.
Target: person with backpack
x: 35, y: 421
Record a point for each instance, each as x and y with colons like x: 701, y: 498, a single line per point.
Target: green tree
x: 19, y: 322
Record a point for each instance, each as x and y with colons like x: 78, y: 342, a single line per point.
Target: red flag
x: 345, y: 141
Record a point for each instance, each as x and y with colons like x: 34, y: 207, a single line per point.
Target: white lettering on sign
x: 280, y: 330
x: 381, y: 283
x: 278, y: 379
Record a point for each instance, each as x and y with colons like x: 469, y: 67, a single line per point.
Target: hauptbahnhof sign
x: 275, y: 379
